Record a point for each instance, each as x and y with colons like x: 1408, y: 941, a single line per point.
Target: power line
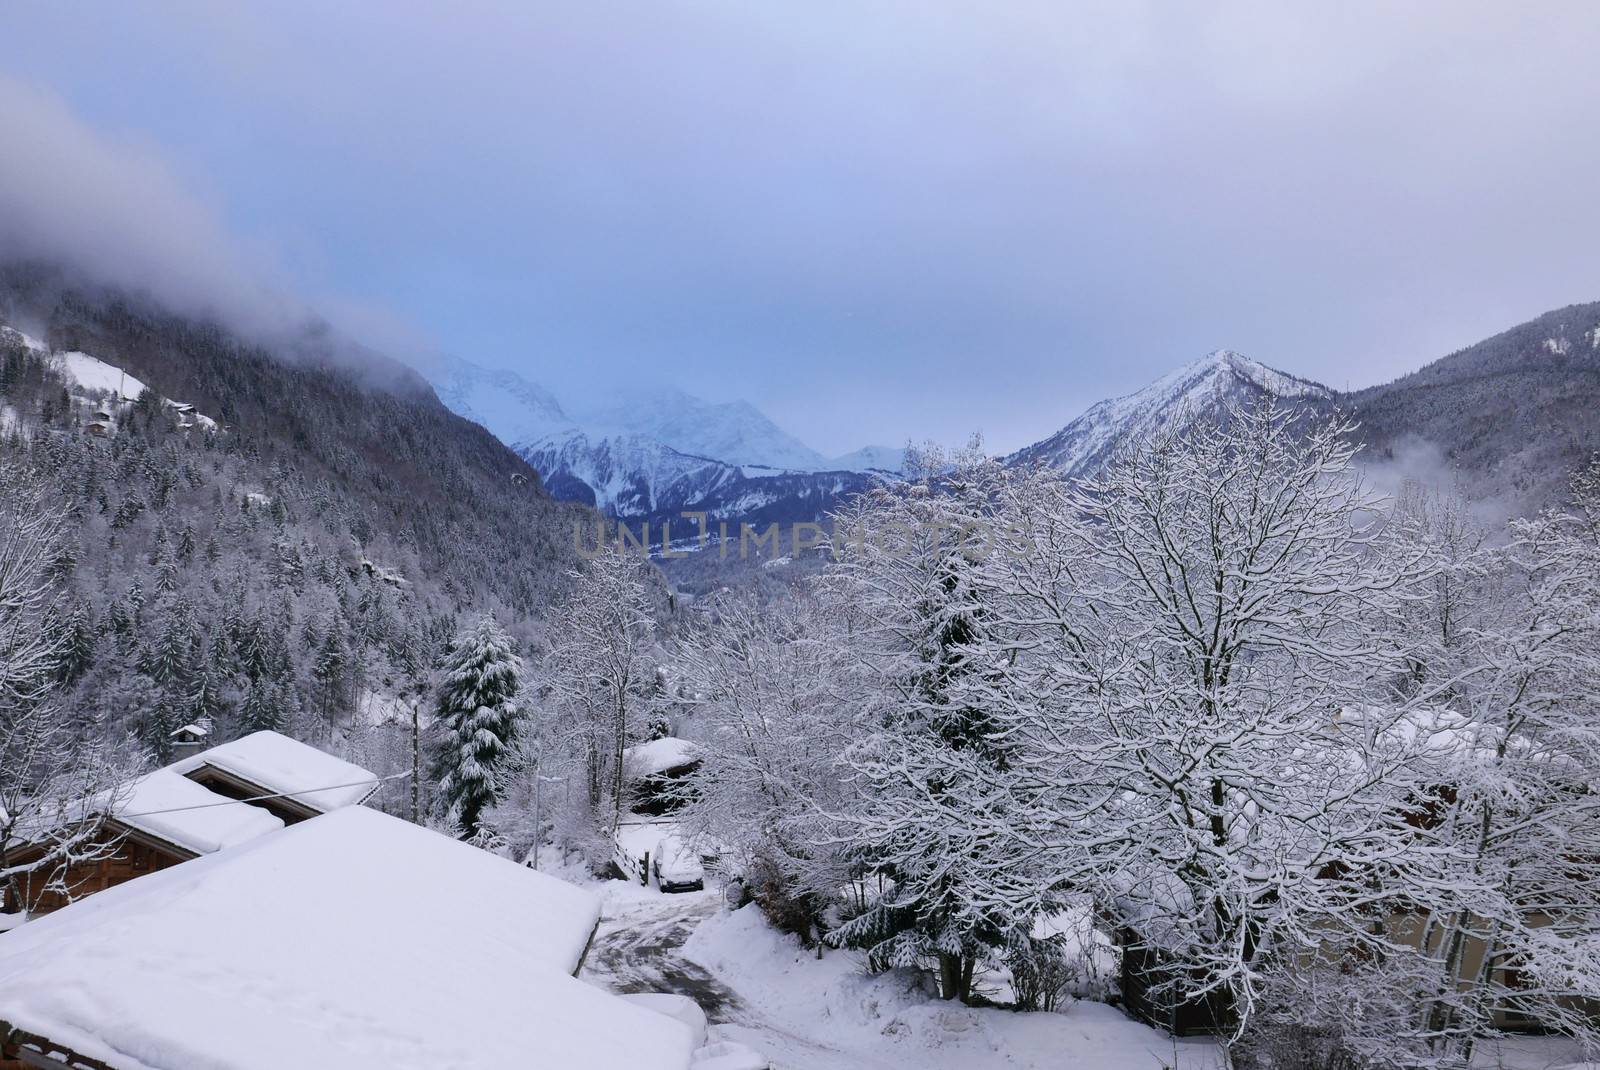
x: 262, y: 798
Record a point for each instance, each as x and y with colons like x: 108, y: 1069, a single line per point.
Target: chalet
x: 658, y: 774
x: 184, y: 811
x: 157, y: 821
x: 287, y: 778
x: 385, y: 575
x: 352, y: 939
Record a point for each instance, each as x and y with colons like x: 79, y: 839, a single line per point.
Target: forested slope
x: 301, y: 567
x: 1512, y: 416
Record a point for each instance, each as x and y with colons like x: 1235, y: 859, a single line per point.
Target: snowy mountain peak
x: 514, y: 409
x: 1199, y: 390
x: 526, y: 416
x: 732, y: 431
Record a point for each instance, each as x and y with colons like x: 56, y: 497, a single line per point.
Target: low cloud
x: 1413, y: 461
x: 112, y: 214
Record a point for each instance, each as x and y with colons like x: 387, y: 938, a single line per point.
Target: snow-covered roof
x: 175, y: 809
x: 353, y: 940
x: 660, y: 756
x: 288, y: 767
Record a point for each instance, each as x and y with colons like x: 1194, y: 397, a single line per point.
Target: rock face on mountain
x: 1199, y: 391
x: 734, y: 432
x: 504, y: 402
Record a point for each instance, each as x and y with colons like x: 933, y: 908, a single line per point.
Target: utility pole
x: 416, y: 758
x: 539, y: 782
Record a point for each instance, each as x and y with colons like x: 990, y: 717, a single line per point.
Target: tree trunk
x: 416, y: 761
x: 949, y: 976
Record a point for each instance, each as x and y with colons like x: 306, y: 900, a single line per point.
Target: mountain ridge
x: 1196, y: 390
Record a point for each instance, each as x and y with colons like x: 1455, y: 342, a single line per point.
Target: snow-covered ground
x: 762, y: 989
x: 92, y: 373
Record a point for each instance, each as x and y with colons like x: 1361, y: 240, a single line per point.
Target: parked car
x: 677, y: 867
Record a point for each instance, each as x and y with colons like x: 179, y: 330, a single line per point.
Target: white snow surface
x: 636, y: 838
x: 829, y: 1014
x: 174, y: 808
x: 1195, y: 391
x: 288, y: 767
x: 92, y: 373
x: 354, y: 940
x: 679, y: 1008
x: 659, y: 755
x: 508, y: 405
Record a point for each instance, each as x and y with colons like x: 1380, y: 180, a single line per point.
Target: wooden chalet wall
x: 131, y: 857
x: 21, y: 1050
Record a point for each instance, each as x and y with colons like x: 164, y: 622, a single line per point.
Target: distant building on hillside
x: 191, y: 738
x: 658, y: 774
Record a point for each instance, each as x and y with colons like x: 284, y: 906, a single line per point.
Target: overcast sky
x: 874, y: 220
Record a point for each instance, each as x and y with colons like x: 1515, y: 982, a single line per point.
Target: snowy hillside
x: 1197, y: 391
x: 524, y: 414
x: 99, y: 380
x: 651, y: 453
x: 734, y: 431
x: 94, y: 374
x: 625, y: 475
x: 871, y: 459
x: 504, y: 402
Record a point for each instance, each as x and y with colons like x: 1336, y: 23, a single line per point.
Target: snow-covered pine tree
x: 77, y: 651
x: 478, y: 711
x: 910, y: 571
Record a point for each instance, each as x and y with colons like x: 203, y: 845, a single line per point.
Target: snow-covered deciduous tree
x: 775, y: 701
x: 1189, y: 655
x: 1326, y: 763
x: 600, y: 670
x: 1514, y: 930
x: 478, y: 711
x: 54, y: 783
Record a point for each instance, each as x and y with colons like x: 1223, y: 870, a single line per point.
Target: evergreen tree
x: 263, y: 707
x: 477, y: 705
x: 204, y: 699
x: 77, y: 651
x: 330, y: 671
x: 167, y: 659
